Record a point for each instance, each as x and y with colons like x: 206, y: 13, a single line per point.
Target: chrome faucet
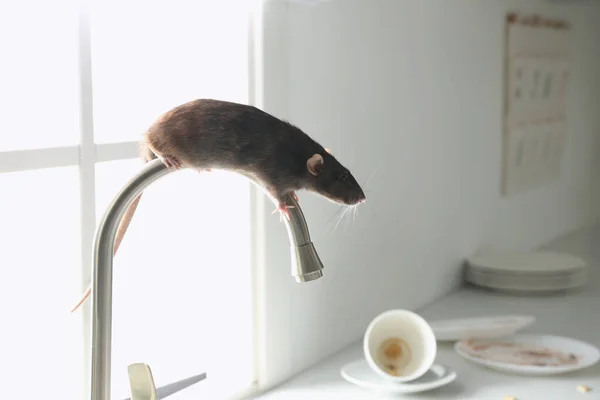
x: 306, y: 266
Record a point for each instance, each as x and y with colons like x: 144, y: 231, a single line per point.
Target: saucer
x: 359, y: 373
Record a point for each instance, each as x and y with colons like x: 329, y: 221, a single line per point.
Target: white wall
x: 412, y: 90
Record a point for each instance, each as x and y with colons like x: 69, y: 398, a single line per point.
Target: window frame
x: 86, y: 154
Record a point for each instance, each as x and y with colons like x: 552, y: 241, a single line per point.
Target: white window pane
x: 182, y: 279
x: 40, y: 342
x: 148, y: 60
x: 38, y: 74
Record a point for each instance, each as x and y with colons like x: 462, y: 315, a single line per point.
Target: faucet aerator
x: 306, y: 264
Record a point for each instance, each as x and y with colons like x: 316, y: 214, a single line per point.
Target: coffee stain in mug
x: 394, y: 354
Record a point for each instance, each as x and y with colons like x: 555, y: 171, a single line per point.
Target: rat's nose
x: 362, y: 197
x: 357, y: 200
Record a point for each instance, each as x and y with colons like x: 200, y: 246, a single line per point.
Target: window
x: 78, y: 91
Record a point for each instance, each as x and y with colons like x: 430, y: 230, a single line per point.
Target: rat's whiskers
x: 372, y: 175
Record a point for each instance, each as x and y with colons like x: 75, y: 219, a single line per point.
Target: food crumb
x: 392, y: 370
x: 583, y: 389
x: 510, y: 398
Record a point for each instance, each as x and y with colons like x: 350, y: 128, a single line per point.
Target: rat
x: 206, y: 134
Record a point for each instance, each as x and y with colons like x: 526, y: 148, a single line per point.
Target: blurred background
x: 425, y: 101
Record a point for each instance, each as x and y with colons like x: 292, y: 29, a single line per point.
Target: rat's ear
x: 315, y: 164
x: 328, y: 150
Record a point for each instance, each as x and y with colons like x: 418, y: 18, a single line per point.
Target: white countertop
x: 575, y: 315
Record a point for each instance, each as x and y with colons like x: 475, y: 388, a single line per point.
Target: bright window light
x: 38, y: 74
x: 182, y: 277
x: 151, y: 56
x: 41, y: 343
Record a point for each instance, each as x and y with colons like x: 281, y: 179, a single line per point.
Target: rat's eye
x: 343, y: 176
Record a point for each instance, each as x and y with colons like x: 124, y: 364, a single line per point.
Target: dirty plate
x: 530, y: 354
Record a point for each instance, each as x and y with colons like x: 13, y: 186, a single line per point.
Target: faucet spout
x: 306, y: 266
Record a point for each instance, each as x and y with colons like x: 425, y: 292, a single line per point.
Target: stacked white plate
x: 526, y: 272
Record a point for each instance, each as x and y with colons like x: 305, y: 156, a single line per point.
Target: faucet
x: 305, y: 262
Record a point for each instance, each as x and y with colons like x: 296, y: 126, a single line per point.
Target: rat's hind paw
x: 283, y: 209
x: 171, y: 162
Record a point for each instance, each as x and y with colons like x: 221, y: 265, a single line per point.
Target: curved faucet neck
x: 306, y: 266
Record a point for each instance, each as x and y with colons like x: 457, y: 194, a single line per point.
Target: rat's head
x: 333, y: 181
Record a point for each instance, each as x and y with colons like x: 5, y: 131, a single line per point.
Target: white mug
x: 399, y: 345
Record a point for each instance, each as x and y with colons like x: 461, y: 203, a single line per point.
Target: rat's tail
x: 146, y: 155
